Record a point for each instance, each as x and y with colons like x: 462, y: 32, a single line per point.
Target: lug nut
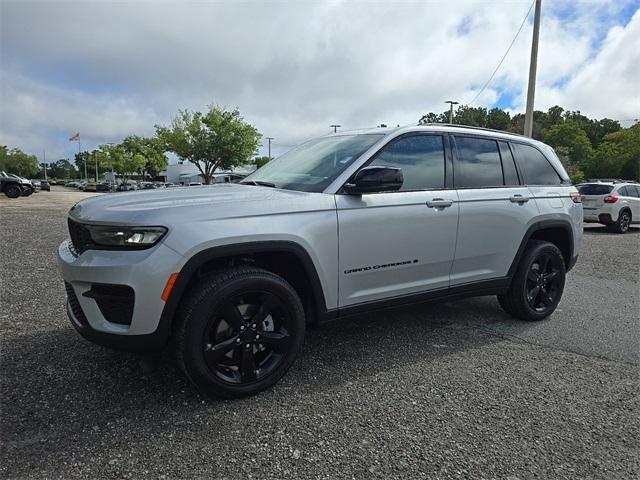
x: 237, y: 340
x: 247, y: 345
x: 241, y: 327
x: 257, y: 337
x: 253, y: 326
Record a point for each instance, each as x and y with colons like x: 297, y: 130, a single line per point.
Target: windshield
x: 312, y: 166
x: 595, y: 189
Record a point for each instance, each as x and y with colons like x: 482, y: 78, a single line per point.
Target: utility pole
x: 531, y: 92
x: 335, y: 127
x: 44, y: 164
x: 269, y: 139
x: 451, y: 104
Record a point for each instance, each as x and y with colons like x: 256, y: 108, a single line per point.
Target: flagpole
x: 86, y: 177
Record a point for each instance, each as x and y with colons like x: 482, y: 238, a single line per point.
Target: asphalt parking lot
x: 451, y: 390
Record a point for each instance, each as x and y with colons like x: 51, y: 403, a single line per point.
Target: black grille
x: 80, y: 236
x: 76, y: 309
x: 114, y: 301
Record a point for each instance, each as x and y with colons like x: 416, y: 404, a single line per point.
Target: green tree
x: 82, y: 158
x: 62, y: 169
x: 19, y: 163
x: 151, y: 148
x: 217, y: 139
x: 434, y: 118
x: 472, y: 116
x: 122, y: 161
x: 618, y: 156
x: 576, y: 146
x: 498, y: 119
x: 261, y: 161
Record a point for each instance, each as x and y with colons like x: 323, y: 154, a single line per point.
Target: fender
x: 535, y: 227
x: 200, y: 258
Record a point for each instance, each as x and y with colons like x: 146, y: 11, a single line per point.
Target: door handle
x: 439, y: 203
x: 517, y: 198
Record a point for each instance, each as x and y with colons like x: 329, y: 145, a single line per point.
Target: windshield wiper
x: 259, y: 183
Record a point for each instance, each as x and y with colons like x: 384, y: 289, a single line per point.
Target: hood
x: 176, y: 205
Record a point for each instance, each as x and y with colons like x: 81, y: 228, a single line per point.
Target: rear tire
x: 12, y: 191
x: 537, y: 286
x: 238, y: 331
x: 623, y: 223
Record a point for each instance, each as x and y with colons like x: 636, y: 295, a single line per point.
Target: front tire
x: 12, y: 191
x: 623, y: 223
x: 238, y: 332
x: 537, y: 286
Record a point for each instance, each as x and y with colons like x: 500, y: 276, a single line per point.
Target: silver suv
x: 341, y: 225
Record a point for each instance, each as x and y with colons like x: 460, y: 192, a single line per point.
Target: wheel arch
x: 558, y: 232
x: 285, y: 258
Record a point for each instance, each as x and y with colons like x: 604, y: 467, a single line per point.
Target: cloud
x: 109, y: 69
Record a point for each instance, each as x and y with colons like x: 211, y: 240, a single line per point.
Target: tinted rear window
x: 595, y: 189
x: 478, y: 163
x: 634, y: 191
x: 537, y: 169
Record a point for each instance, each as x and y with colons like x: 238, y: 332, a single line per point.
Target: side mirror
x: 375, y: 179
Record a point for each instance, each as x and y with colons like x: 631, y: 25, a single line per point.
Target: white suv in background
x: 615, y: 204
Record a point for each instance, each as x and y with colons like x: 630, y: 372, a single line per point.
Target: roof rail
x: 612, y: 180
x: 471, y: 127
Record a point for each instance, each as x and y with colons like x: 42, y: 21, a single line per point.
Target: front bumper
x: 144, y: 271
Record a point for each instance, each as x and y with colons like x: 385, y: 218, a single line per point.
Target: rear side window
x: 421, y: 158
x: 478, y: 163
x: 536, y: 168
x: 623, y: 191
x: 634, y: 191
x: 508, y: 165
x: 595, y: 189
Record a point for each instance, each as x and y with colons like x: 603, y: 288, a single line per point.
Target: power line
x: 504, y: 56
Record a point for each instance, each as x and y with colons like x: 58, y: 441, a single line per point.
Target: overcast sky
x: 111, y: 69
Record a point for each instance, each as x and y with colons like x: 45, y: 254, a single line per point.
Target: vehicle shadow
x: 602, y: 230
x: 60, y: 392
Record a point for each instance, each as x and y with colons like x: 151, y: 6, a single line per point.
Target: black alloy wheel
x: 248, y: 337
x: 537, y: 285
x: 12, y: 191
x: 544, y: 282
x: 238, y: 331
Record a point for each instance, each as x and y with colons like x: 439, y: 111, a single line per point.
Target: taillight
x: 576, y: 197
x: 611, y: 199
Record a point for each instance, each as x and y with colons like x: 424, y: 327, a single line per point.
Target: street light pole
x: 335, y: 127
x: 451, y: 104
x: 528, y: 119
x: 269, y: 139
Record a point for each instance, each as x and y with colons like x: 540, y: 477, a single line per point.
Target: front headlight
x: 125, y: 237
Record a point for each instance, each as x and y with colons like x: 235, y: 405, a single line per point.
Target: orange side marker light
x: 169, y: 286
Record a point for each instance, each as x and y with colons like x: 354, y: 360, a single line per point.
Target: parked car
x: 44, y: 185
x: 127, y: 186
x: 14, y: 186
x: 72, y: 184
x: 341, y: 225
x: 615, y: 204
x: 36, y: 184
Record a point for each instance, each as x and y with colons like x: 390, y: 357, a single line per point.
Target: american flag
x: 75, y: 138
